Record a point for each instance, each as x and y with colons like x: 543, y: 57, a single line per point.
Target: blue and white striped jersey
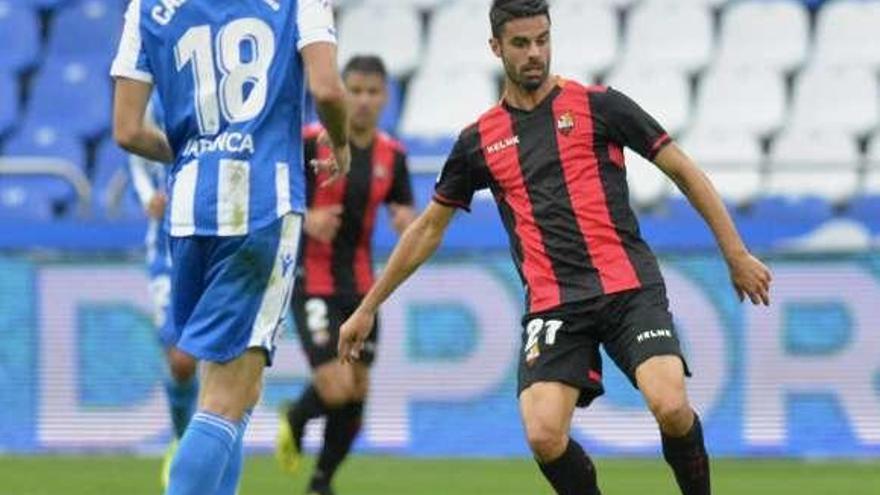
x: 230, y: 78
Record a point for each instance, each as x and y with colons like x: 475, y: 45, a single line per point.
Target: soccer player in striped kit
x: 551, y: 153
x: 231, y: 78
x: 337, y: 270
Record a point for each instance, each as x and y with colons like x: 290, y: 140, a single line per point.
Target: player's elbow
x: 126, y: 134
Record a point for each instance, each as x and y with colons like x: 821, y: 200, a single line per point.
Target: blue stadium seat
x: 19, y: 37
x: 8, y: 103
x: 88, y: 30
x: 43, y: 4
x: 35, y: 142
x: 72, y: 96
x: 109, y: 163
x: 866, y: 209
x: 26, y: 197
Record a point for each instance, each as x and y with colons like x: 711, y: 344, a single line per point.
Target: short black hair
x: 366, y: 64
x: 507, y: 10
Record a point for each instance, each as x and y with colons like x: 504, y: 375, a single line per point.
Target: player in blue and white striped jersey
x: 230, y: 76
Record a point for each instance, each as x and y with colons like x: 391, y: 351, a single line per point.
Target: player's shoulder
x: 392, y: 142
x: 577, y: 86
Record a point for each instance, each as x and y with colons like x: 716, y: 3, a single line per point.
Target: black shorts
x: 562, y: 345
x: 318, y: 319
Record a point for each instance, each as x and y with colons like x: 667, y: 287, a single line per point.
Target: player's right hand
x: 322, y: 223
x: 156, y: 206
x: 750, y: 278
x: 335, y: 166
x: 353, y: 333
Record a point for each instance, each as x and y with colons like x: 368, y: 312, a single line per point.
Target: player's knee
x: 672, y: 411
x: 182, y: 366
x: 332, y: 391
x: 547, y: 441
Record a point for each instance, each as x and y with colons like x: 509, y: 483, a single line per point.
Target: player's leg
x: 232, y: 330
x: 643, y: 342
x: 559, y: 369
x: 661, y: 380
x: 181, y: 388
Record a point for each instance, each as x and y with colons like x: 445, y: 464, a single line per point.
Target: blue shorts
x: 159, y: 271
x: 230, y: 294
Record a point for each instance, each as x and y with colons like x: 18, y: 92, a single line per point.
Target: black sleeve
x: 310, y: 152
x: 629, y: 125
x: 401, y: 188
x: 459, y: 178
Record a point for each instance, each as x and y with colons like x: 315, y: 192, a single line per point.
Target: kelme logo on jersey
x: 227, y: 142
x: 659, y: 333
x: 502, y: 145
x: 565, y: 124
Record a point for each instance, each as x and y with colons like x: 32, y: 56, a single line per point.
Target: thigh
x: 247, y: 292
x: 561, y: 348
x: 639, y: 328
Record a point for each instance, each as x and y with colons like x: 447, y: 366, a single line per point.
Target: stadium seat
x: 458, y: 40
x: 88, y: 30
x: 26, y: 197
x: 111, y: 177
x: 8, y: 103
x: 647, y: 184
x: 731, y: 160
x: 848, y: 34
x: 866, y: 209
x: 419, y: 4
x: 400, y: 41
x: 741, y: 101
x: 19, y: 37
x: 441, y: 105
x: 764, y: 34
x: 585, y: 39
x: 813, y: 163
x: 670, y: 35
x: 871, y: 182
x: 665, y: 94
x: 84, y: 90
x: 836, y: 100
x: 39, y: 142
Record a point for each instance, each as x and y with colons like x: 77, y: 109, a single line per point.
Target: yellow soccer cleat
x: 165, y: 474
x: 288, y: 444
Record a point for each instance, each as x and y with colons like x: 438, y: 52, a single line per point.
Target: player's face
x: 524, y: 48
x: 366, y: 98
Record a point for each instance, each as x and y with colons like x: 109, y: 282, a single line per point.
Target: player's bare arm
x: 401, y: 216
x: 323, y: 222
x: 750, y: 277
x: 416, y: 245
x: 327, y: 89
x: 130, y: 130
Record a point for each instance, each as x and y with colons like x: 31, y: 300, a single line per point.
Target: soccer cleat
x: 320, y: 490
x: 165, y: 474
x: 288, y: 444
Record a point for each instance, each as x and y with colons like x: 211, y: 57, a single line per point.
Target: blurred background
x: 777, y: 100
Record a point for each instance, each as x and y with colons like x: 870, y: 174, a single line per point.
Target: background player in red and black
x: 551, y: 153
x: 336, y: 269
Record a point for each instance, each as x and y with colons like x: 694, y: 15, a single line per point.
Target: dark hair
x: 366, y: 64
x: 508, y: 10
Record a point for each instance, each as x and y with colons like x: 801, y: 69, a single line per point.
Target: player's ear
x: 495, y: 44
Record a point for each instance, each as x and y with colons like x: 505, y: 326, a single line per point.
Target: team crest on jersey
x: 379, y: 171
x: 565, y: 124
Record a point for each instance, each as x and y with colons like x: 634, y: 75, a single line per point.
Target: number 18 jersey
x: 231, y: 80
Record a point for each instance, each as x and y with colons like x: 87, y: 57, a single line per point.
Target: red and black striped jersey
x: 558, y: 177
x: 378, y: 175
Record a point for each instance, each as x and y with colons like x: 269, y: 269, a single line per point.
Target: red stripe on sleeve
x: 580, y: 166
x: 504, y: 164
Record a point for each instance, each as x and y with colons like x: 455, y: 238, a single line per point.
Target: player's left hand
x: 750, y: 278
x: 156, y: 206
x: 353, y: 333
x: 337, y: 165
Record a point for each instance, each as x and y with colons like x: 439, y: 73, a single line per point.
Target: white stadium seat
x: 442, y: 104
x: 419, y: 4
x: 764, y: 34
x: 458, y: 40
x: 814, y: 163
x: 731, y: 160
x: 668, y: 34
x: 400, y: 41
x: 585, y: 39
x: 836, y: 100
x: 848, y: 34
x: 751, y: 101
x: 665, y: 94
x: 872, y: 167
x: 647, y: 184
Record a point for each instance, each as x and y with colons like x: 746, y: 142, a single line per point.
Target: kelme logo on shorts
x: 654, y: 334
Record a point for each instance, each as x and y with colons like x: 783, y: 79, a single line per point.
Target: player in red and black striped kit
x: 336, y: 269
x: 551, y: 153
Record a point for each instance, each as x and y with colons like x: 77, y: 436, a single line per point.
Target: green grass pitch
x: 363, y: 475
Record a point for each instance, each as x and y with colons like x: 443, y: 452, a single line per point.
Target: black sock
x: 308, y: 406
x: 689, y: 461
x: 573, y: 473
x: 343, y: 425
